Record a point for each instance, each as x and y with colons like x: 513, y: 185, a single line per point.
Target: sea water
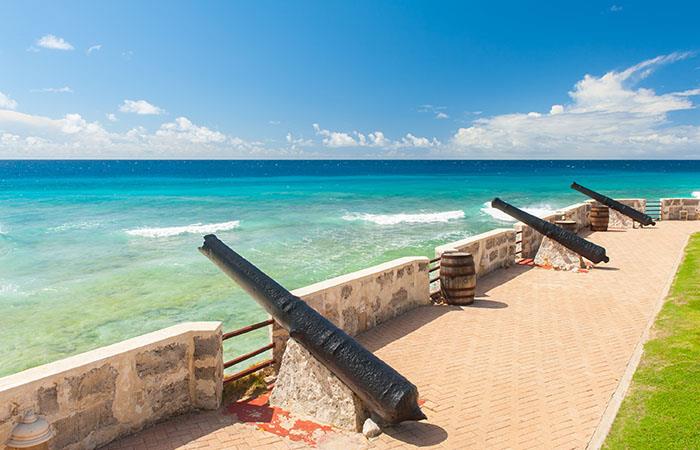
x: 93, y: 252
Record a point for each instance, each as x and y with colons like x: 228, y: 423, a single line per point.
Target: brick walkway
x: 531, y: 365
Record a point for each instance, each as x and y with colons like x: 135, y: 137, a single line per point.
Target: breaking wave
x: 197, y: 228
x: 696, y: 194
x: 539, y: 211
x: 394, y: 219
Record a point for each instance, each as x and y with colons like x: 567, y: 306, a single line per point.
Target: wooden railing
x: 254, y: 368
x: 434, y: 274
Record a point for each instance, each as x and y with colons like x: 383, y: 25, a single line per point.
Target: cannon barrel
x: 572, y: 241
x: 628, y: 211
x: 381, y: 388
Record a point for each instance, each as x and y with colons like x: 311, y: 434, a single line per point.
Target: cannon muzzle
x: 381, y: 388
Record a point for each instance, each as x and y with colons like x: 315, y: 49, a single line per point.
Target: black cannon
x: 628, y: 211
x: 575, y: 243
x: 382, y: 389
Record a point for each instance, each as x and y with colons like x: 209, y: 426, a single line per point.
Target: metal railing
x: 653, y: 209
x: 239, y: 359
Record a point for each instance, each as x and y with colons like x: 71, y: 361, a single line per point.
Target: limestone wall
x: 620, y: 221
x: 361, y: 300
x: 92, y: 398
x: 491, y: 250
x: 680, y: 209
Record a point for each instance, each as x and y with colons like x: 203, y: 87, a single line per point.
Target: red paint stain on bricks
x: 260, y: 414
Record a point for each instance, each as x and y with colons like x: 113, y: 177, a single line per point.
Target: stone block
x: 307, y: 388
x: 162, y: 360
x: 553, y: 254
x: 97, y: 383
x: 206, y: 347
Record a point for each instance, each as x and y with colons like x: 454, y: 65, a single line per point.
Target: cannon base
x: 552, y: 254
x: 305, y: 387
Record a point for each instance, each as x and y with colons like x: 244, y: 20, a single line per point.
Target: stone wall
x: 92, y: 398
x: 491, y: 250
x: 620, y: 221
x: 680, y: 209
x: 361, y: 300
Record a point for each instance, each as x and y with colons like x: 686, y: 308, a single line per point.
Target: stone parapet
x: 361, y: 300
x: 95, y: 397
x: 680, y: 209
x: 491, y: 250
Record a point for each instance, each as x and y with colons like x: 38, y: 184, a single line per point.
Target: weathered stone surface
x: 306, y: 388
x: 47, y: 400
x: 361, y: 300
x: 161, y: 360
x: 77, y: 427
x: 99, y: 382
x: 553, y: 254
x: 206, y: 347
x: 168, y: 399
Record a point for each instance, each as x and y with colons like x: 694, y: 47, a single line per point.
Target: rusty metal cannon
x: 381, y: 388
x: 593, y: 252
x: 628, y: 211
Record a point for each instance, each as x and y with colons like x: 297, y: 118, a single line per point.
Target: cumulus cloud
x: 141, y: 107
x: 64, y: 89
x: 93, y: 48
x: 607, y: 116
x: 111, y: 117
x: 437, y: 111
x: 73, y: 136
x: 376, y: 139
x: 6, y: 102
x: 53, y: 43
x: 183, y: 129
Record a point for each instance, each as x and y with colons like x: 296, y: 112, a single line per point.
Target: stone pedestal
x: 305, y: 387
x: 553, y: 254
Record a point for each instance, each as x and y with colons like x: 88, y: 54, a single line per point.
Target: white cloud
x: 93, y: 48
x: 6, y: 102
x: 437, y: 111
x: 375, y: 139
x: 64, y: 89
x: 72, y: 136
x: 441, y: 115
x: 299, y: 142
x: 53, y: 43
x: 183, y: 129
x: 111, y: 117
x: 141, y: 107
x: 608, y: 116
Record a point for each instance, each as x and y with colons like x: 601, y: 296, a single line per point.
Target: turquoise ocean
x: 93, y: 252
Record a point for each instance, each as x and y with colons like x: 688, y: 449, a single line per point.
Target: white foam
x: 198, y: 228
x: 696, y: 194
x: 538, y: 210
x: 394, y: 219
x: 75, y: 226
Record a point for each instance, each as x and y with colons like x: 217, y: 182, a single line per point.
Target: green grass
x: 662, y: 407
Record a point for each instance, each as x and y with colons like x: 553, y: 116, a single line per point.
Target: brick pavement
x: 531, y: 365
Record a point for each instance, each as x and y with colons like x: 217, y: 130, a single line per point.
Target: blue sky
x: 332, y: 79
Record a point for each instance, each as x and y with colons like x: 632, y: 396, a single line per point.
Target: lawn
x: 662, y: 407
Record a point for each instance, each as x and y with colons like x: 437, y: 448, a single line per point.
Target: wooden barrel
x: 599, y: 216
x: 457, y: 278
x: 569, y: 225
